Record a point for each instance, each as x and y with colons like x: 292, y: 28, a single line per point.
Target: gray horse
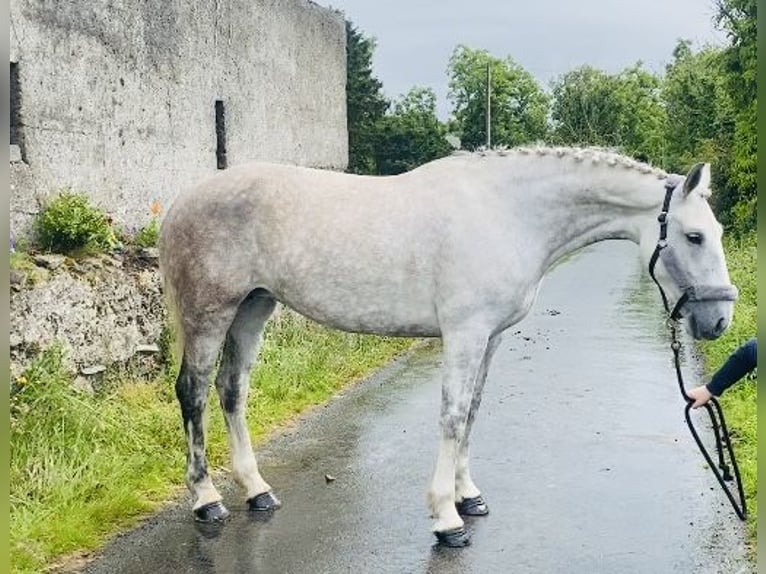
x: 455, y: 249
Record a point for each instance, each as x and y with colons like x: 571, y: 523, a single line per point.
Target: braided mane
x: 594, y: 155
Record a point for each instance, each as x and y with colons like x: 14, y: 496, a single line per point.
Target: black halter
x: 717, y: 420
x: 688, y: 292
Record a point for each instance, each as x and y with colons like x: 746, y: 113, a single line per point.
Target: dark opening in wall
x: 16, y: 125
x: 220, y: 134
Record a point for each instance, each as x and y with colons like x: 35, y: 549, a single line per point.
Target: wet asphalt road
x: 580, y: 449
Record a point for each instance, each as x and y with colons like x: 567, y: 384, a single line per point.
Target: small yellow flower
x: 21, y: 381
x: 155, y: 208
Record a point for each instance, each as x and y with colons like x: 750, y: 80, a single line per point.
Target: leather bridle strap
x: 662, y: 243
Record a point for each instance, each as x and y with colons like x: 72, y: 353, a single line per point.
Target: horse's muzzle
x: 708, y: 318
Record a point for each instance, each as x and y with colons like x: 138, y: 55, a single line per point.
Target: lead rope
x: 720, y: 431
x: 717, y: 420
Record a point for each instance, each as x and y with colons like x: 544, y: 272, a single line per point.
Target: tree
x: 711, y: 100
x: 700, y: 118
x: 738, y: 19
x: 365, y: 102
x: 411, y: 134
x: 585, y: 110
x: 625, y: 111
x: 642, y: 128
x: 518, y: 107
x: 382, y: 142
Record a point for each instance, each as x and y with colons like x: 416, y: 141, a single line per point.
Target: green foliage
x: 699, y: 110
x: 149, y: 235
x: 712, y: 117
x: 83, y: 466
x: 69, y: 223
x: 643, y: 113
x: 737, y: 204
x: 411, y: 135
x: 624, y: 111
x: 21, y: 261
x: 701, y: 120
x: 518, y: 107
x: 365, y: 102
x: 29, y: 272
x: 738, y: 19
x: 584, y: 110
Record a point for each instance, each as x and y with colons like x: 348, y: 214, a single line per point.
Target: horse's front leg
x: 467, y: 496
x: 463, y: 353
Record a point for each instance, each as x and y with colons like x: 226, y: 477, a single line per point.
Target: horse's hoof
x: 475, y: 506
x: 264, y: 501
x: 211, y: 513
x: 455, y: 538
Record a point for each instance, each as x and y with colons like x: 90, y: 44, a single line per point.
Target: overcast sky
x: 547, y: 37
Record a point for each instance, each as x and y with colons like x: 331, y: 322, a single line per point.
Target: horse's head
x: 686, y: 257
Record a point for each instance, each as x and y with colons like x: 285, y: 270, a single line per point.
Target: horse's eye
x: 694, y: 238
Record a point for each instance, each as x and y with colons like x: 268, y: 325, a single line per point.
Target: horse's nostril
x: 720, y: 326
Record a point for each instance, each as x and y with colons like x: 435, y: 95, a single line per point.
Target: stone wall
x: 100, y: 310
x: 118, y: 99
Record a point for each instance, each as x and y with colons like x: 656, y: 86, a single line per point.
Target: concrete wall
x: 117, y: 97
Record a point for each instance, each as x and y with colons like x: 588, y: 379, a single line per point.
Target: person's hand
x: 700, y: 395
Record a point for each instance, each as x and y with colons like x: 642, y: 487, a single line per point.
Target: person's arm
x: 740, y: 363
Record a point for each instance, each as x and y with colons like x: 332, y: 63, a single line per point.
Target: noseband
x: 689, y: 293
x: 699, y: 293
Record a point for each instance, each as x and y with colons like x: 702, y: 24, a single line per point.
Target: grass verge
x: 84, y: 466
x: 739, y: 402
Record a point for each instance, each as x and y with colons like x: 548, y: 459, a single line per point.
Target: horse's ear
x: 698, y: 176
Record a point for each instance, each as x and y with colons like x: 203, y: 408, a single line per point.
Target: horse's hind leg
x: 233, y: 382
x: 201, y: 348
x: 467, y: 496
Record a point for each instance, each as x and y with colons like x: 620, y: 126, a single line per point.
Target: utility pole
x: 488, y: 114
